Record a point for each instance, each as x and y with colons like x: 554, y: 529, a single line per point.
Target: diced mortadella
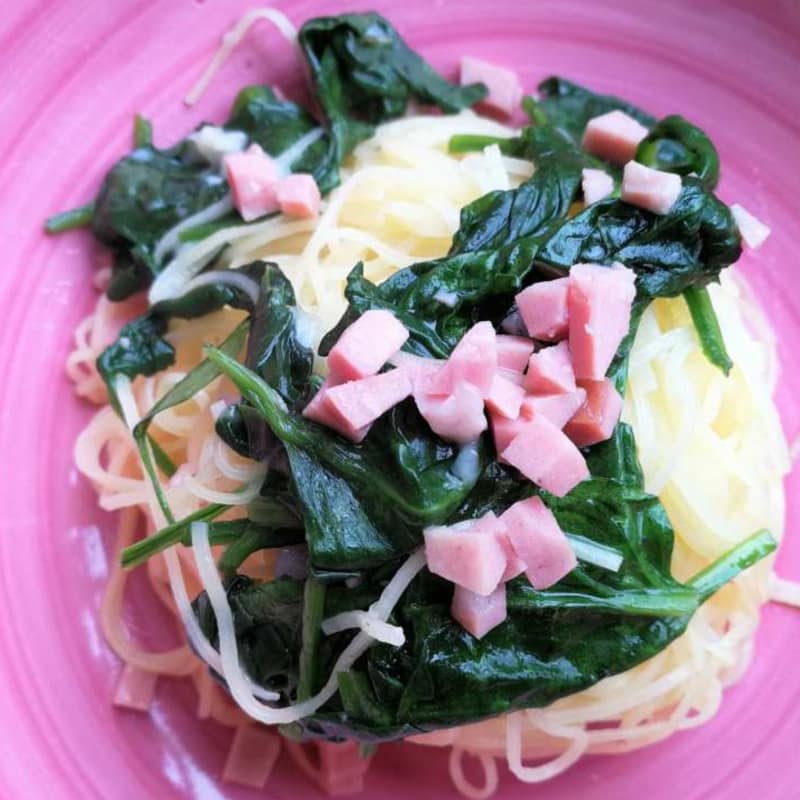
x: 613, y: 136
x: 416, y: 367
x: 650, y: 189
x: 366, y: 345
x: 505, y: 397
x: 320, y: 410
x: 538, y: 540
x: 135, y: 688
x: 474, y: 360
x: 359, y: 403
x: 558, y: 408
x: 600, y: 300
x: 514, y: 564
x: 477, y: 613
x: 598, y: 415
x: 544, y: 455
x: 513, y: 352
x: 298, y: 195
x: 550, y: 371
x: 457, y: 417
x: 505, y: 90
x: 543, y: 308
x: 252, y: 176
x: 252, y: 756
x: 504, y: 429
x: 752, y: 230
x: 469, y: 555
x: 596, y: 185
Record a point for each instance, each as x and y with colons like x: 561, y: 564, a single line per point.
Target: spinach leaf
x: 363, y: 73
x: 675, y: 145
x: 144, y: 195
x: 568, y: 107
x: 687, y: 247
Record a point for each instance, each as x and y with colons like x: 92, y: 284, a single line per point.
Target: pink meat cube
x: 600, y: 300
x: 504, y: 429
x: 550, y: 371
x: 253, y: 177
x: 505, y: 91
x: 595, y: 420
x: 505, y: 397
x: 468, y: 554
x: 544, y: 455
x: 476, y: 613
x: 298, y: 195
x: 473, y: 360
x: 513, y: 352
x: 538, y: 540
x: 252, y: 756
x: 650, y: 189
x: 458, y: 417
x: 320, y: 410
x: 135, y: 688
x: 558, y: 408
x: 596, y: 185
x: 366, y: 346
x: 752, y: 230
x: 614, y: 136
x: 359, y: 403
x: 416, y: 367
x: 514, y: 564
x: 543, y: 307
x: 517, y: 378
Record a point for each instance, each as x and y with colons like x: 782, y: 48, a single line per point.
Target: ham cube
x: 614, y: 136
x: 550, y: 371
x: 505, y: 91
x: 752, y: 230
x: 650, y: 189
x: 558, y: 408
x: 504, y: 429
x: 473, y: 360
x: 252, y: 756
x: 135, y: 689
x: 598, y: 415
x: 252, y: 176
x: 600, y: 300
x: 468, y: 554
x: 511, y: 375
x: 538, y: 540
x: 320, y: 410
x: 543, y: 308
x: 476, y: 613
x: 513, y: 352
x: 298, y: 196
x: 359, y: 403
x: 544, y: 455
x: 366, y: 345
x: 416, y: 367
x: 505, y: 397
x: 458, y: 417
x: 514, y: 564
x: 596, y: 185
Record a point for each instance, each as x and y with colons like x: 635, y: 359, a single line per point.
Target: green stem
x: 142, y: 131
x: 78, y: 217
x: 640, y: 603
x: 250, y: 540
x: 470, y: 142
x: 313, y: 610
x: 163, y: 461
x: 731, y: 563
x: 174, y: 533
x: 707, y: 326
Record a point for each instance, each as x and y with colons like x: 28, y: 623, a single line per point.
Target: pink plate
x: 72, y: 74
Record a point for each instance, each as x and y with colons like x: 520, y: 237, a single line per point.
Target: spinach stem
x: 78, y: 217
x: 676, y: 602
x: 142, y: 131
x: 707, y: 326
x: 733, y: 562
x: 470, y: 142
x: 313, y: 610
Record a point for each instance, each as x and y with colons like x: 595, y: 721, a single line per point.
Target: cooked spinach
x: 361, y: 508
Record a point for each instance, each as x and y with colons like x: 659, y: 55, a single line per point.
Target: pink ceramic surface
x: 72, y: 73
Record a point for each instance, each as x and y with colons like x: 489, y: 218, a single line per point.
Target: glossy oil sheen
x: 72, y: 74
